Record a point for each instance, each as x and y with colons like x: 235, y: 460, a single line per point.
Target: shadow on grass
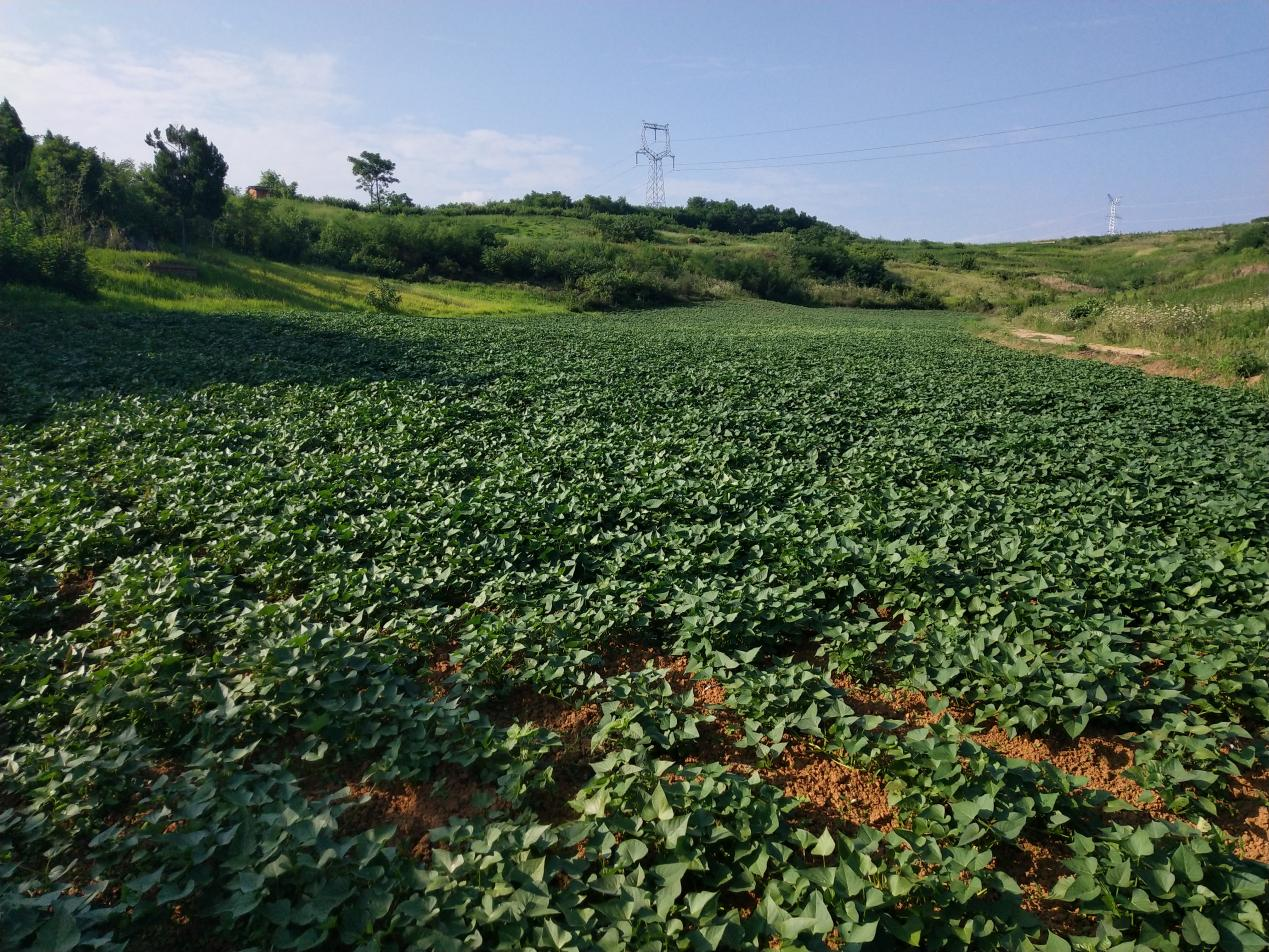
x: 55, y: 357
x: 223, y: 279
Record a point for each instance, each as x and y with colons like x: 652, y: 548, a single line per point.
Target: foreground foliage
x: 262, y: 571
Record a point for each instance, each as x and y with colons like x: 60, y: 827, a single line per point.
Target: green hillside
x: 1198, y: 299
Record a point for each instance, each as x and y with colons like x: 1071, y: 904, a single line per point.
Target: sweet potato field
x: 740, y: 626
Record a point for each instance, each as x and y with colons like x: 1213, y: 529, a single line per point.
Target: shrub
x: 976, y: 303
x: 1254, y: 235
x: 733, y: 218
x: 399, y: 245
x: 618, y: 288
x: 57, y: 261
x: 384, y: 296
x: 626, y: 227
x: 1245, y: 364
x: 768, y: 275
x: 263, y: 227
x: 836, y: 255
x: 1085, y: 311
x: 897, y: 298
x: 551, y: 264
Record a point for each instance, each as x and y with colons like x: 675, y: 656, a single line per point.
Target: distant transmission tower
x: 655, y: 147
x: 1112, y: 217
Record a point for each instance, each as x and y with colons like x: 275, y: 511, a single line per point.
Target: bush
x: 1245, y: 364
x: 1086, y: 311
x: 263, y: 227
x: 733, y: 218
x: 850, y: 295
x: 768, y: 275
x: 606, y: 290
x: 1255, y: 235
x: 546, y: 263
x: 976, y: 303
x: 836, y: 255
x: 397, y: 245
x: 56, y: 261
x: 384, y: 296
x: 626, y: 227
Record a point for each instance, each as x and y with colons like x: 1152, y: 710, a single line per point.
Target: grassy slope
x: 1203, y: 309
x: 237, y: 283
x: 1176, y: 293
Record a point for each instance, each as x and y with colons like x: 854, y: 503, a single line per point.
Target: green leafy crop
x: 368, y: 631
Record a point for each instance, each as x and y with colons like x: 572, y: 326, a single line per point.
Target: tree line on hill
x: 58, y: 196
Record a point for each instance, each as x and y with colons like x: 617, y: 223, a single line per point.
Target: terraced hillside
x: 735, y: 626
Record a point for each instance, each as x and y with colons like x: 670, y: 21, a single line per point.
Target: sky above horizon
x: 478, y: 100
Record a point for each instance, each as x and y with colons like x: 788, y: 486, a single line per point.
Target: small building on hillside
x: 259, y: 191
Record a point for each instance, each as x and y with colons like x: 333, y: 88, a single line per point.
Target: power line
x: 1035, y: 224
x: 980, y: 135
x: 1198, y: 201
x: 624, y: 172
x: 1097, y: 212
x: 981, y: 102
x: 976, y: 148
x: 607, y: 168
x: 1152, y: 221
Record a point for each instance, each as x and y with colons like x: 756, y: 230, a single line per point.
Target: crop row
x: 254, y: 568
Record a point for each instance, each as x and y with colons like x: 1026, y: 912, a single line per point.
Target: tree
x: 374, y: 175
x: 69, y: 177
x: 397, y: 202
x: 277, y: 184
x: 15, y: 147
x: 188, y: 174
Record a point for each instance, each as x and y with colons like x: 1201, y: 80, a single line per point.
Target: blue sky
x: 477, y: 100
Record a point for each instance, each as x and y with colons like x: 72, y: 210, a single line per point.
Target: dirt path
x: 1155, y: 366
x: 1043, y: 338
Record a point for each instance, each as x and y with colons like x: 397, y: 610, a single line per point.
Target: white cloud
x: 283, y: 110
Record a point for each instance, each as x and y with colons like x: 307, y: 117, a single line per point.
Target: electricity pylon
x: 1112, y: 217
x: 655, y: 147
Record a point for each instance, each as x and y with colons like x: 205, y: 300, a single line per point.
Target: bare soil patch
x: 1037, y: 865
x: 833, y: 794
x: 1019, y: 339
x: 416, y: 809
x: 1043, y: 337
x: 526, y: 705
x: 1247, y: 270
x: 1058, y: 283
x: 894, y: 704
x: 1098, y: 757
x: 1245, y: 814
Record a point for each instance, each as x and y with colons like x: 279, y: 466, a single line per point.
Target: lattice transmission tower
x: 1112, y: 216
x: 656, y: 147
